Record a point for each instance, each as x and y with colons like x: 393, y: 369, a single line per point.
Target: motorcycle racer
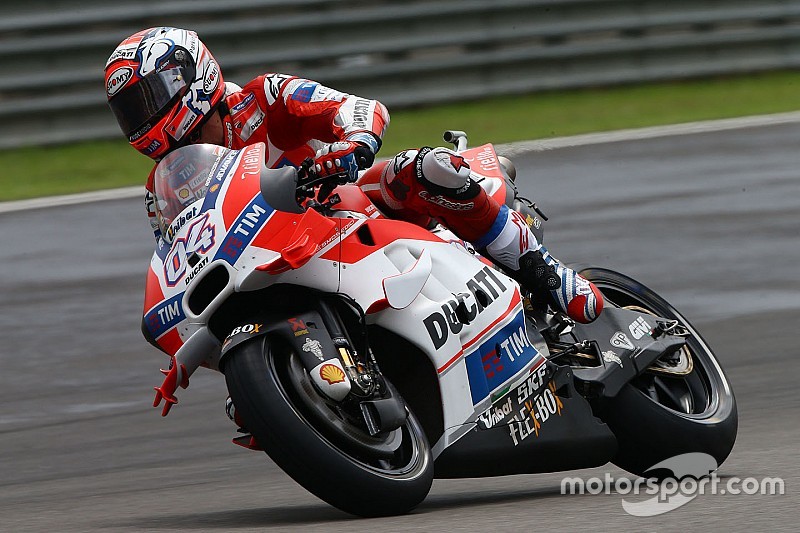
x: 166, y: 91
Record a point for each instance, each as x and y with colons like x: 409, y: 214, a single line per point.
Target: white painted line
x: 509, y: 149
x: 69, y: 199
x: 653, y: 132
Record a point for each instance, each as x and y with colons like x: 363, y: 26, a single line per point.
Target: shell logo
x: 331, y: 373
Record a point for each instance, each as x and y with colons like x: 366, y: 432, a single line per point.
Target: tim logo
x: 497, y: 360
x: 492, y: 364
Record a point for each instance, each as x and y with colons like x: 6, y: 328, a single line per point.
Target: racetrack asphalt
x: 710, y: 220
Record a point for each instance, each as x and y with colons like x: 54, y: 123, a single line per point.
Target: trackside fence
x: 406, y: 53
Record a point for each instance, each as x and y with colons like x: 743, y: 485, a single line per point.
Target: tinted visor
x: 151, y: 98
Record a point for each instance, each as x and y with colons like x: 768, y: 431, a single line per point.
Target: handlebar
x: 457, y: 137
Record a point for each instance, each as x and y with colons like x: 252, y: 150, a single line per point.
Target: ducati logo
x: 484, y: 288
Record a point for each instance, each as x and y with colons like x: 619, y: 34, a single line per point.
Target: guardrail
x: 418, y: 52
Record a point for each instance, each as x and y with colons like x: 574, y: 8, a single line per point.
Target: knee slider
x: 443, y: 171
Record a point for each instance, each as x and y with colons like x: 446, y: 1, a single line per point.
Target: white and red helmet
x: 162, y: 84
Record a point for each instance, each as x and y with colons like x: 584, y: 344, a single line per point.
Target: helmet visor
x: 144, y: 103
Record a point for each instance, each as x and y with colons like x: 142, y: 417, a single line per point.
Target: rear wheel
x: 681, y: 405
x: 323, y: 445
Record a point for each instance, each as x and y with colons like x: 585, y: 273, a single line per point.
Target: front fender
x: 306, y: 335
x: 304, y: 332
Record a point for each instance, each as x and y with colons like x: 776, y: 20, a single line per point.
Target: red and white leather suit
x: 294, y: 117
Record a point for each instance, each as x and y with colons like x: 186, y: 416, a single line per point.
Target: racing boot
x: 511, y: 243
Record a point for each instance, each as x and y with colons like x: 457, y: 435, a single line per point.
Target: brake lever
x: 308, y: 180
x: 327, y: 188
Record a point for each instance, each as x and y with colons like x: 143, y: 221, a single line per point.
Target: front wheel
x: 670, y: 409
x: 321, y: 445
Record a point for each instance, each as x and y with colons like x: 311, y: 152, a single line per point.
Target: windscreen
x: 181, y: 179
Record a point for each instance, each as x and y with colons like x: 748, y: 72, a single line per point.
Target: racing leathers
x: 436, y: 184
x: 297, y: 118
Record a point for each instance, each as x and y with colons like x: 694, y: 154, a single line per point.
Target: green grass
x: 33, y: 172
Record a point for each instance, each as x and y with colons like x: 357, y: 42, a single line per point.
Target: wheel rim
x: 402, y: 453
x: 693, y: 395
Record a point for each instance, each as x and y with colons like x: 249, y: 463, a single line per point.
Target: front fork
x: 381, y: 407
x: 358, y: 370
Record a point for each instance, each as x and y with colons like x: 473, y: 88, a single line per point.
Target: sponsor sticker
x: 211, y: 77
x: 244, y: 228
x: 327, y: 94
x: 620, y: 340
x: 484, y: 288
x: 253, y: 121
x: 499, y: 359
x: 331, y: 373
x: 639, y: 328
x: 299, y: 327
x: 122, y: 53
x: 533, y: 222
x: 526, y: 408
x: 611, y: 357
x: 314, y: 347
x: 196, y: 270
x: 152, y: 147
x: 117, y: 80
x: 165, y: 316
x: 238, y: 108
x: 534, y: 412
x: 488, y: 160
x: 252, y: 329
x: 304, y: 92
x: 444, y: 202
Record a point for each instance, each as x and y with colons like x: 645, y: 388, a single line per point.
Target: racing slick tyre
x: 324, y: 445
x: 684, y: 406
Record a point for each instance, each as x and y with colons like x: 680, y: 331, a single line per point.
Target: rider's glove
x: 345, y: 156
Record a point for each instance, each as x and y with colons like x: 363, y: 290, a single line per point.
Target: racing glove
x: 347, y: 156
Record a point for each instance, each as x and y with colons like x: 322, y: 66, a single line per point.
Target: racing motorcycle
x: 367, y: 355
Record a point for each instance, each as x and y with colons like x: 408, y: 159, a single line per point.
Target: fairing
x: 430, y: 288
